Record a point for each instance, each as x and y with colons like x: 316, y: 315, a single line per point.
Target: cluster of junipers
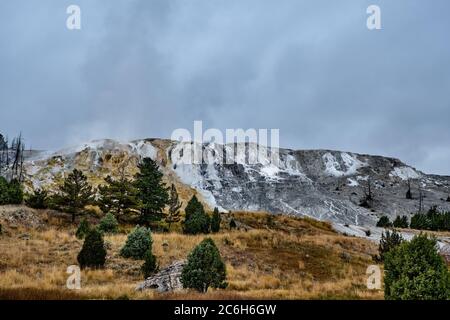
x: 384, y: 222
x: 10, y: 192
x: 204, y: 268
x: 197, y: 221
x: 399, y: 222
x: 431, y: 220
x: 415, y: 271
x: 146, y: 195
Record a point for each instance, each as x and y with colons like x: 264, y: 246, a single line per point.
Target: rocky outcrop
x: 168, y: 279
x: 15, y: 216
x: 322, y: 184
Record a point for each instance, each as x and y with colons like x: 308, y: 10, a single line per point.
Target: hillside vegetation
x: 267, y: 257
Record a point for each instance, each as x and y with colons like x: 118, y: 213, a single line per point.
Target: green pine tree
x: 216, y: 220
x: 76, y: 193
x: 196, y: 220
x: 415, y: 271
x: 118, y: 196
x: 153, y: 195
x: 204, y: 268
x: 192, y: 206
x: 93, y: 253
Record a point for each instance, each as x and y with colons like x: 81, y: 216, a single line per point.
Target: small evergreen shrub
x: 149, y: 267
x: 83, y: 229
x: 233, y: 224
x: 109, y: 224
x: 401, y: 222
x: 215, y: 221
x: 204, y: 268
x: 139, y: 241
x: 384, y: 222
x: 93, y: 253
x: 389, y: 240
x: 10, y: 192
x: 37, y: 200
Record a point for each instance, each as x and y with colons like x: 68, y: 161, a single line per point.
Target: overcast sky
x: 312, y: 69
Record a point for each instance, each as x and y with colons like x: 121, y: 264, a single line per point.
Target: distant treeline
x: 433, y: 220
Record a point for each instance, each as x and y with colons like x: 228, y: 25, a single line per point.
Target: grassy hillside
x: 267, y: 257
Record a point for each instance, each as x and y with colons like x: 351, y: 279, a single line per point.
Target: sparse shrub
x: 368, y: 233
x: 415, y: 271
x: 149, y: 267
x: 109, y: 224
x: 419, y: 221
x: 204, y: 268
x: 215, y: 221
x: 138, y: 243
x: 401, y: 222
x: 233, y: 224
x: 384, y: 222
x: 389, y: 240
x: 93, y: 253
x: 345, y: 257
x: 10, y: 192
x: 83, y: 229
x: 37, y: 200
x: 270, y: 221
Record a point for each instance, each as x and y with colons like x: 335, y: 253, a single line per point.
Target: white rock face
x: 322, y: 184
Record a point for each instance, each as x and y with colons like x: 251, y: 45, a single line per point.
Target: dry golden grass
x: 277, y: 258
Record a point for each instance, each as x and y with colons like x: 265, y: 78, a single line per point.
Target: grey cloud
x: 310, y: 68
